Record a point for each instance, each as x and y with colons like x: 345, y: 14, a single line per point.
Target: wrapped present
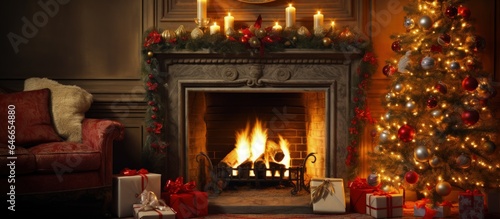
x: 423, y: 208
x: 184, y: 199
x: 152, y: 207
x: 327, y: 195
x: 471, y: 205
x: 358, y: 189
x: 127, y: 187
x: 384, y: 205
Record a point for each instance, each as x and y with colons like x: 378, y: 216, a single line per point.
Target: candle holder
x: 202, y: 22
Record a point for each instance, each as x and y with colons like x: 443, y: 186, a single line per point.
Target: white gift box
x: 384, y: 206
x: 441, y: 211
x: 127, y: 191
x: 166, y: 213
x: 333, y: 203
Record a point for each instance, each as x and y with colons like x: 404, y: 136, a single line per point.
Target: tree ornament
x: 196, y: 33
x: 373, y: 179
x: 384, y: 136
x: 422, y: 153
x: 254, y: 42
x: 470, y: 117
x: 435, y: 161
x: 454, y: 65
x: 410, y: 105
x: 396, y: 46
x: 425, y: 22
x: 387, y: 115
x: 463, y: 161
x: 451, y: 12
x: 409, y: 23
x: 443, y: 188
x: 464, y: 12
x: 432, y: 102
x: 398, y: 87
x: 441, y: 88
x: 388, y: 70
x: 427, y: 63
x: 378, y: 148
x: 168, y: 35
x: 436, y: 113
x: 471, y: 65
x: 444, y: 39
x: 469, y: 83
x: 406, y: 133
x: 150, y: 54
x: 404, y: 61
x: 489, y: 147
x: 327, y: 41
x: 411, y: 177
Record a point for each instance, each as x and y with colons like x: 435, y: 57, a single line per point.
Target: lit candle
x: 228, y: 22
x: 202, y: 9
x: 318, y: 20
x: 333, y: 24
x: 290, y: 16
x: 277, y: 27
x: 214, y: 28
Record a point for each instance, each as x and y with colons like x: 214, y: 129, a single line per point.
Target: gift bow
x: 475, y: 192
x: 359, y: 183
x: 421, y: 203
x: 131, y: 172
x: 149, y: 201
x: 322, y: 191
x: 178, y: 186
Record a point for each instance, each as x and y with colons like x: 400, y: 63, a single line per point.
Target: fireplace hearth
x: 303, y: 95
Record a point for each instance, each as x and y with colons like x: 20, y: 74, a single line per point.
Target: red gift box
x: 357, y: 195
x: 471, y: 205
x: 184, y: 199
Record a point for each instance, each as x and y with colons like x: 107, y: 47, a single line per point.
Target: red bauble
x: 406, y: 133
x: 388, y: 70
x: 451, y: 12
x: 396, y: 46
x: 432, y: 102
x: 411, y: 177
x: 441, y: 88
x: 464, y: 12
x: 469, y: 83
x: 470, y: 117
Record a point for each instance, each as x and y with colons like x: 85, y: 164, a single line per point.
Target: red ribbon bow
x: 131, y: 172
x: 360, y: 183
x: 421, y: 203
x: 178, y: 186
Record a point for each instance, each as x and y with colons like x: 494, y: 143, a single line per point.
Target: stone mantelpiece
x: 293, y: 70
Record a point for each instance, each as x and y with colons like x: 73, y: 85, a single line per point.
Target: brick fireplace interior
x: 304, y: 96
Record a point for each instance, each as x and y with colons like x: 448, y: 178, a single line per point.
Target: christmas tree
x: 437, y: 132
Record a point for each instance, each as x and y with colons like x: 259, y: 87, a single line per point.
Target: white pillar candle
x: 318, y: 20
x: 290, y: 16
x: 277, y: 27
x: 214, y: 28
x: 202, y: 9
x: 228, y: 22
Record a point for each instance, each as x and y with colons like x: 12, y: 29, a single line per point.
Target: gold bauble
x: 303, y: 31
x: 230, y: 31
x: 167, y: 35
x: 196, y: 33
x: 254, y: 42
x: 150, y: 54
x: 180, y: 31
x: 327, y: 41
x: 260, y: 33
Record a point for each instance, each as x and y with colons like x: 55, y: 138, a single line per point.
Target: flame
x: 252, y: 145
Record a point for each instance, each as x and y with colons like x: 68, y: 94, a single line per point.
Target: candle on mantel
x: 214, y: 29
x: 333, y: 24
x: 318, y: 20
x: 228, y: 22
x: 277, y: 28
x: 201, y: 9
x: 290, y: 16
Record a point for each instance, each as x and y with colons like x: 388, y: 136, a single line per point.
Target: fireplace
x: 303, y: 96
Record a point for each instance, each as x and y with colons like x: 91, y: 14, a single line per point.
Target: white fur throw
x: 69, y: 105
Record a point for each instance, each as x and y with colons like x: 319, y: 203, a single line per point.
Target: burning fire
x: 252, y: 145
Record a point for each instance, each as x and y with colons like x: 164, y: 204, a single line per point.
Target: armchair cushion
x: 28, y: 115
x: 69, y: 105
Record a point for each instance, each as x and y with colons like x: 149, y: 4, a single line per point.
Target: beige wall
x: 97, y: 45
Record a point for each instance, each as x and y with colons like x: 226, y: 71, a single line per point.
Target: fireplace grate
x: 292, y: 176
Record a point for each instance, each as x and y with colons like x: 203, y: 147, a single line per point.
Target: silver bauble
x: 443, y: 188
x: 373, y: 179
x: 427, y: 63
x: 425, y: 22
x: 436, y: 113
x: 387, y: 115
x: 196, y: 33
x: 384, y: 136
x: 454, y: 65
x: 463, y: 161
x: 435, y: 161
x: 422, y: 153
x: 410, y: 105
x: 409, y: 23
x: 398, y: 87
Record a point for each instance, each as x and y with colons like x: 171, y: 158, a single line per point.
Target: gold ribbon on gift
x: 149, y: 201
x: 322, y: 191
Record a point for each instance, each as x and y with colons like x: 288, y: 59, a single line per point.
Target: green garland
x: 252, y: 40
